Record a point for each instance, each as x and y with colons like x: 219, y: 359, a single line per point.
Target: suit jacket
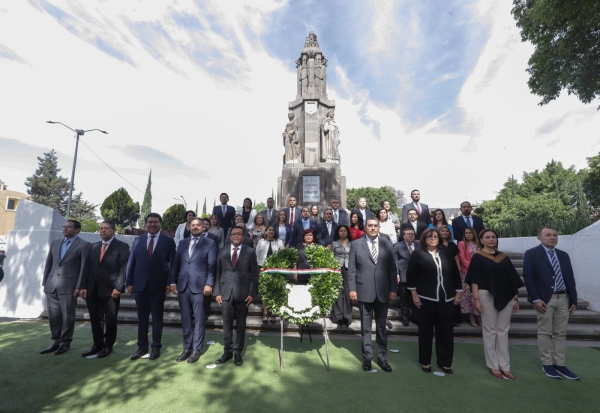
x: 422, y: 275
x: 368, y: 214
x: 265, y: 214
x: 420, y: 228
x: 297, y: 214
x: 297, y: 236
x: 343, y: 218
x: 402, y: 256
x: 65, y: 275
x: 424, y: 217
x: 288, y: 234
x: 109, y: 274
x: 214, y: 237
x: 323, y: 236
x: 195, y: 271
x: 372, y: 281
x: 150, y: 273
x: 236, y: 283
x: 226, y: 221
x: 539, y: 276
x: 246, y: 241
x: 459, y: 225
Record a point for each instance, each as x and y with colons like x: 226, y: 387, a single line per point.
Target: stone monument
x: 311, y: 164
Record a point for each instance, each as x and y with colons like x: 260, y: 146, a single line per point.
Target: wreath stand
x: 325, y: 336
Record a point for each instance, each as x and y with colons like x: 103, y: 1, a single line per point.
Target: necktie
x: 192, y: 246
x: 64, y: 248
x: 418, y: 208
x: 410, y: 248
x: 374, y: 251
x: 224, y: 208
x: 468, y: 219
x: 103, y: 250
x: 292, y: 216
x: 335, y: 216
x: 329, y: 228
x: 151, y: 245
x: 234, y: 257
x: 269, y: 215
x: 559, y: 282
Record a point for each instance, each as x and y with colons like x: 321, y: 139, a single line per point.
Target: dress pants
x: 61, y: 316
x: 234, y: 309
x: 192, y: 319
x: 150, y: 302
x: 405, y: 301
x: 438, y: 315
x: 495, y: 332
x: 207, y: 301
x: 552, y: 330
x: 366, y: 316
x: 103, y: 312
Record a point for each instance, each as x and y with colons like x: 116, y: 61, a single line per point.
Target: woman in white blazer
x: 183, y: 230
x: 265, y: 247
x: 248, y: 213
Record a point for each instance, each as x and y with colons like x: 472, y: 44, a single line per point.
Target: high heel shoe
x: 426, y: 369
x: 478, y: 318
x: 273, y: 318
x: 265, y: 319
x: 472, y: 320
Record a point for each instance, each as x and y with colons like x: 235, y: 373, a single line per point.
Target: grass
x: 30, y: 382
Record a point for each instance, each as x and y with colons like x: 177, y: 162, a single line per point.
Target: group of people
x: 432, y: 267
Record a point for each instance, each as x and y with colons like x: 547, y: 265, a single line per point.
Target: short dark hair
x: 236, y: 227
x: 415, y: 190
x: 198, y: 219
x: 373, y: 219
x: 466, y: 202
x: 223, y: 193
x: 271, y: 198
x: 543, y: 228
x: 308, y: 231
x: 336, y: 235
x: 153, y: 215
x: 303, y: 208
x: 249, y: 200
x: 412, y: 209
x: 408, y: 229
x: 206, y: 220
x: 110, y: 223
x: 328, y: 209
x: 378, y: 214
x: 76, y: 224
x: 186, y: 214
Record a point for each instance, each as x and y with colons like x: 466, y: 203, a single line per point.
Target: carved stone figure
x: 304, y: 76
x: 330, y: 139
x: 291, y: 140
x: 318, y: 76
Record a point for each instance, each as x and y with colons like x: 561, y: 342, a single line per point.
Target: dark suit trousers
x: 366, y: 318
x: 147, y: 303
x: 61, y: 316
x: 438, y: 316
x: 192, y: 319
x: 207, y: 301
x: 231, y: 309
x: 103, y: 312
x: 405, y: 301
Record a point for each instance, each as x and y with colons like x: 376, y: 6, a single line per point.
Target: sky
x: 429, y: 95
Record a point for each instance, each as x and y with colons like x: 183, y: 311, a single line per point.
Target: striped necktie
x: 559, y: 282
x: 374, y: 250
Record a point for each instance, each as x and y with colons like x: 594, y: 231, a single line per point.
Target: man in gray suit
x: 66, y: 270
x: 372, y: 282
x: 402, y: 251
x: 422, y: 209
x: 270, y: 214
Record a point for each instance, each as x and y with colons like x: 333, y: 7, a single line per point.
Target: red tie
x: 410, y: 248
x: 292, y: 217
x: 234, y: 257
x: 103, y: 250
x: 151, y: 245
x: 419, y: 209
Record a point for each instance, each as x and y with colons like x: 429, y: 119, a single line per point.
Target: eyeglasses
x: 68, y: 227
x: 432, y: 237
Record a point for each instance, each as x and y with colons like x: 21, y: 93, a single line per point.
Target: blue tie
x: 64, y: 247
x: 468, y: 219
x: 559, y: 282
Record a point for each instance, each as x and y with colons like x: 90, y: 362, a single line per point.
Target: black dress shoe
x: 62, y: 349
x: 154, y: 354
x: 447, y: 370
x: 183, y: 356
x: 388, y: 324
x: 224, y: 358
x: 405, y: 322
x: 237, y: 359
x: 194, y: 357
x: 384, y: 366
x: 50, y: 349
x: 95, y: 349
x: 366, y: 365
x: 426, y: 369
x: 138, y: 354
x: 105, y: 352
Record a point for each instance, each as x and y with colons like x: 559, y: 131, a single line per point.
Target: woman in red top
x: 466, y: 249
x: 357, y: 228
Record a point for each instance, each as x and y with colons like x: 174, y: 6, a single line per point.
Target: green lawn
x: 30, y: 382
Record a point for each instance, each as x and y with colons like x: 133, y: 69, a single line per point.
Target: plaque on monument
x: 311, y: 188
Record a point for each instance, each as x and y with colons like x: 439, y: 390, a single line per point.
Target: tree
x: 260, y: 207
x: 120, y: 208
x: 204, y: 207
x: 173, y: 216
x: 566, y: 38
x: 48, y: 188
x: 400, y: 197
x: 591, y: 183
x: 146, y: 203
x: 373, y: 196
x: 196, y: 211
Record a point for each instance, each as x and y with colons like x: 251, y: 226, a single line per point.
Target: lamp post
x: 180, y: 200
x: 78, y: 133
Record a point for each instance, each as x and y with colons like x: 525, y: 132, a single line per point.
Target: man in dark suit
x: 67, y: 265
x: 413, y: 223
x: 340, y: 216
x: 193, y: 278
x: 148, y: 276
x: 402, y: 252
x: 361, y: 208
x: 326, y: 230
x: 422, y: 209
x: 210, y: 235
x: 102, y: 289
x: 270, y: 214
x: 372, y: 281
x: 224, y: 213
x: 466, y: 220
x: 235, y: 289
x: 550, y: 283
x: 302, y: 224
x: 292, y: 211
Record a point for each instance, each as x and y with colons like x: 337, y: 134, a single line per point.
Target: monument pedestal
x: 311, y: 185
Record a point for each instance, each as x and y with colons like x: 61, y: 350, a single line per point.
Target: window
x: 11, y: 204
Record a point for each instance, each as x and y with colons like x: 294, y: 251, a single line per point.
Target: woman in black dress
x: 342, y: 308
x: 302, y: 264
x: 495, y: 285
x: 433, y: 278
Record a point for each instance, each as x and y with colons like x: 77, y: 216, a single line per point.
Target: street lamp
x: 182, y: 198
x: 78, y: 133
